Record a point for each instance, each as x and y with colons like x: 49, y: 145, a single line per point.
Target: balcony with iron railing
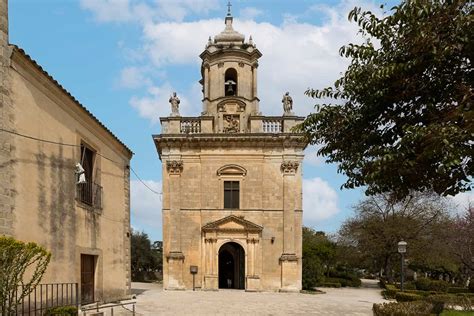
x: 90, y: 194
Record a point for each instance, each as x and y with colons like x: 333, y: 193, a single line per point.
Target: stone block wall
x: 7, y: 191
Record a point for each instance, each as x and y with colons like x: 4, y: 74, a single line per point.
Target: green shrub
x: 409, y: 286
x: 20, y: 263
x: 408, y: 297
x: 471, y: 286
x: 423, y: 293
x: 403, y: 309
x: 439, y: 286
x: 349, y: 281
x: 425, y: 284
x: 458, y: 290
x: 63, y: 311
x: 390, y: 291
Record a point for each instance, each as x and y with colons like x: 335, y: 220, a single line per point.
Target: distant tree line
x: 440, y: 241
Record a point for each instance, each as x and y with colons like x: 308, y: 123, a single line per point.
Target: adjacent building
x: 232, y: 180
x: 45, y: 132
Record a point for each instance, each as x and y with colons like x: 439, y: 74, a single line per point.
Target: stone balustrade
x: 190, y: 126
x: 274, y: 125
x: 207, y: 125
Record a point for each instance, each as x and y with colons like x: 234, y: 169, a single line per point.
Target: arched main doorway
x: 231, y: 266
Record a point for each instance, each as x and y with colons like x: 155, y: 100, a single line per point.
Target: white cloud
x: 320, y: 201
x: 155, y: 104
x: 463, y: 201
x: 296, y: 55
x: 109, y: 10
x: 139, y: 11
x: 250, y: 13
x: 311, y: 157
x: 134, y: 77
x: 146, y: 205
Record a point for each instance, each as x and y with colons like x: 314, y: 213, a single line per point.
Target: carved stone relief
x: 231, y: 123
x: 289, y: 167
x: 174, y: 166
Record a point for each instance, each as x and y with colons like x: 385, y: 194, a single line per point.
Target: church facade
x: 232, y: 181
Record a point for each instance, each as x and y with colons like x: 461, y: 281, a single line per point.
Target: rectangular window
x: 231, y: 194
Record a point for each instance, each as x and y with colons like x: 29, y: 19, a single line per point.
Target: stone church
x: 232, y: 181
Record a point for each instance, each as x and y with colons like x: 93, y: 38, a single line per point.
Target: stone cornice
x: 232, y: 52
x: 242, y: 140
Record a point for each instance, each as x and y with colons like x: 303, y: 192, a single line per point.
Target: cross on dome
x: 229, y: 5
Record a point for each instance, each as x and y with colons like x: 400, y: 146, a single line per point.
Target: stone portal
x: 231, y: 266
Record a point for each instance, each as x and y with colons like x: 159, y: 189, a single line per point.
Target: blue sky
x: 123, y: 58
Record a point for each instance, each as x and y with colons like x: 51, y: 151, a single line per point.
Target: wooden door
x: 87, y: 278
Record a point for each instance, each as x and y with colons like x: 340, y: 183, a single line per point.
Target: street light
x: 402, y: 248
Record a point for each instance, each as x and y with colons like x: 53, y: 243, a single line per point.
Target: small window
x: 231, y: 194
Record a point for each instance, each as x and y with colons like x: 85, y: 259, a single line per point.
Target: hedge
x: 408, y: 297
x: 390, y: 291
x: 466, y: 301
x: 425, y: 284
x: 458, y: 290
x: 63, y: 311
x: 403, y: 309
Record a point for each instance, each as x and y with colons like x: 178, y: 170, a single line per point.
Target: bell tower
x: 232, y: 180
x: 229, y: 79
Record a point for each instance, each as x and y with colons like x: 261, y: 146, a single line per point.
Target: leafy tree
x: 319, y: 255
x: 16, y: 258
x: 145, y: 257
x: 463, y: 239
x: 381, y: 222
x: 401, y: 118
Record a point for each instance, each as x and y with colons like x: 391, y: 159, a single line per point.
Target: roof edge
x: 17, y: 49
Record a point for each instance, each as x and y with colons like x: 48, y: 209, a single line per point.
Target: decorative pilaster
x: 253, y: 279
x: 175, y: 256
x: 288, y: 259
x: 211, y: 281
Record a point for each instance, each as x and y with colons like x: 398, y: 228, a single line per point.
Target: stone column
x: 7, y: 205
x: 175, y: 256
x: 289, y: 260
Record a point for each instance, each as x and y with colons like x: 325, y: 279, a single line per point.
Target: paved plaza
x: 152, y: 300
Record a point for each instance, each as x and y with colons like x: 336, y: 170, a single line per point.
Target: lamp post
x: 402, y: 248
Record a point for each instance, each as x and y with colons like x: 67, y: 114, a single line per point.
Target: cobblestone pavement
x: 152, y: 300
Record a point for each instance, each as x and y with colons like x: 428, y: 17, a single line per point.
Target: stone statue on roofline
x: 287, y: 104
x: 174, y: 101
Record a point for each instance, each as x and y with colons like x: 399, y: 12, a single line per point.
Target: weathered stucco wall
x: 46, y: 209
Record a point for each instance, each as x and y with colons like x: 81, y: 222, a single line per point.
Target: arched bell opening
x: 231, y: 266
x: 230, y: 82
